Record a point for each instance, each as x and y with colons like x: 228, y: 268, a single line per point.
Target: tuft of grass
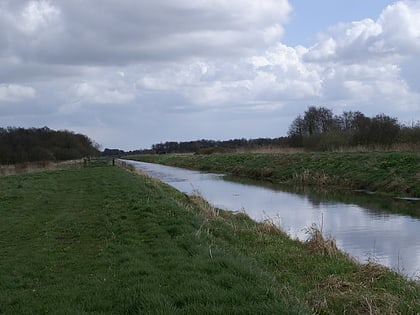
x: 346, y: 296
x: 317, y: 243
x: 268, y: 226
x: 206, y: 209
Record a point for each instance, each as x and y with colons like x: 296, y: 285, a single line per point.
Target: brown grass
x: 318, y: 244
x: 357, y: 293
x: 400, y: 147
x: 241, y: 215
x: 206, y: 210
x: 373, y: 270
x: 354, y: 296
x: 268, y: 226
x: 31, y: 167
x: 270, y: 149
x: 309, y: 178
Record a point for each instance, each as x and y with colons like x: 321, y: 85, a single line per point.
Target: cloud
x: 401, y: 27
x: 283, y: 75
x: 103, y: 32
x: 10, y: 93
x: 367, y: 63
x: 103, y: 92
x: 100, y: 65
x: 37, y: 16
x: 395, y: 33
x: 352, y: 65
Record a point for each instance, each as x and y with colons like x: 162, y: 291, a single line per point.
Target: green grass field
x: 103, y: 240
x: 392, y: 173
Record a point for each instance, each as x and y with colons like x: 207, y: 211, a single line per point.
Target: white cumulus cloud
x: 395, y: 32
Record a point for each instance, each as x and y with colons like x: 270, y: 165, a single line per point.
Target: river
x: 390, y: 239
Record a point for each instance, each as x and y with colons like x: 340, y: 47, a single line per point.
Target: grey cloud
x: 133, y: 73
x: 109, y: 32
x: 13, y: 93
x: 14, y: 71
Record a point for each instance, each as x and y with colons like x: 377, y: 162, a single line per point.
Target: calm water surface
x: 390, y: 239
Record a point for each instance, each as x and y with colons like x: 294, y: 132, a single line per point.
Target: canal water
x: 390, y: 239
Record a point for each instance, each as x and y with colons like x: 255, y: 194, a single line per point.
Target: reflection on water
x: 390, y: 239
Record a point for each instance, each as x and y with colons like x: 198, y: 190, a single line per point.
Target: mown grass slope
x: 102, y: 240
x: 395, y: 173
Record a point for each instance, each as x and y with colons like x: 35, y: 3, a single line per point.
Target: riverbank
x: 391, y: 173
x: 100, y: 239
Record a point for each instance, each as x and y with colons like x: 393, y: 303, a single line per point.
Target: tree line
x: 43, y: 144
x: 202, y: 146
x: 319, y: 129
x: 212, y: 146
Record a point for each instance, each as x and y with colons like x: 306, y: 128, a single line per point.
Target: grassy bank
x: 102, y: 240
x: 394, y: 173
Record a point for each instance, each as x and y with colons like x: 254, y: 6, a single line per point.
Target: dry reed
x: 31, y: 167
x: 319, y: 244
x: 206, y: 210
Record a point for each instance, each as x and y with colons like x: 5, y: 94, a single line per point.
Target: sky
x: 132, y: 73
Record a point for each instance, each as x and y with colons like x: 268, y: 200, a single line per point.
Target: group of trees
x: 319, y: 129
x: 316, y: 129
x: 43, y: 144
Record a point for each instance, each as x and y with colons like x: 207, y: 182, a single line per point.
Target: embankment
x: 392, y: 173
x: 101, y: 239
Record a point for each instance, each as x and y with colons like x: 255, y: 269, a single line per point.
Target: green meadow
x: 103, y: 240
